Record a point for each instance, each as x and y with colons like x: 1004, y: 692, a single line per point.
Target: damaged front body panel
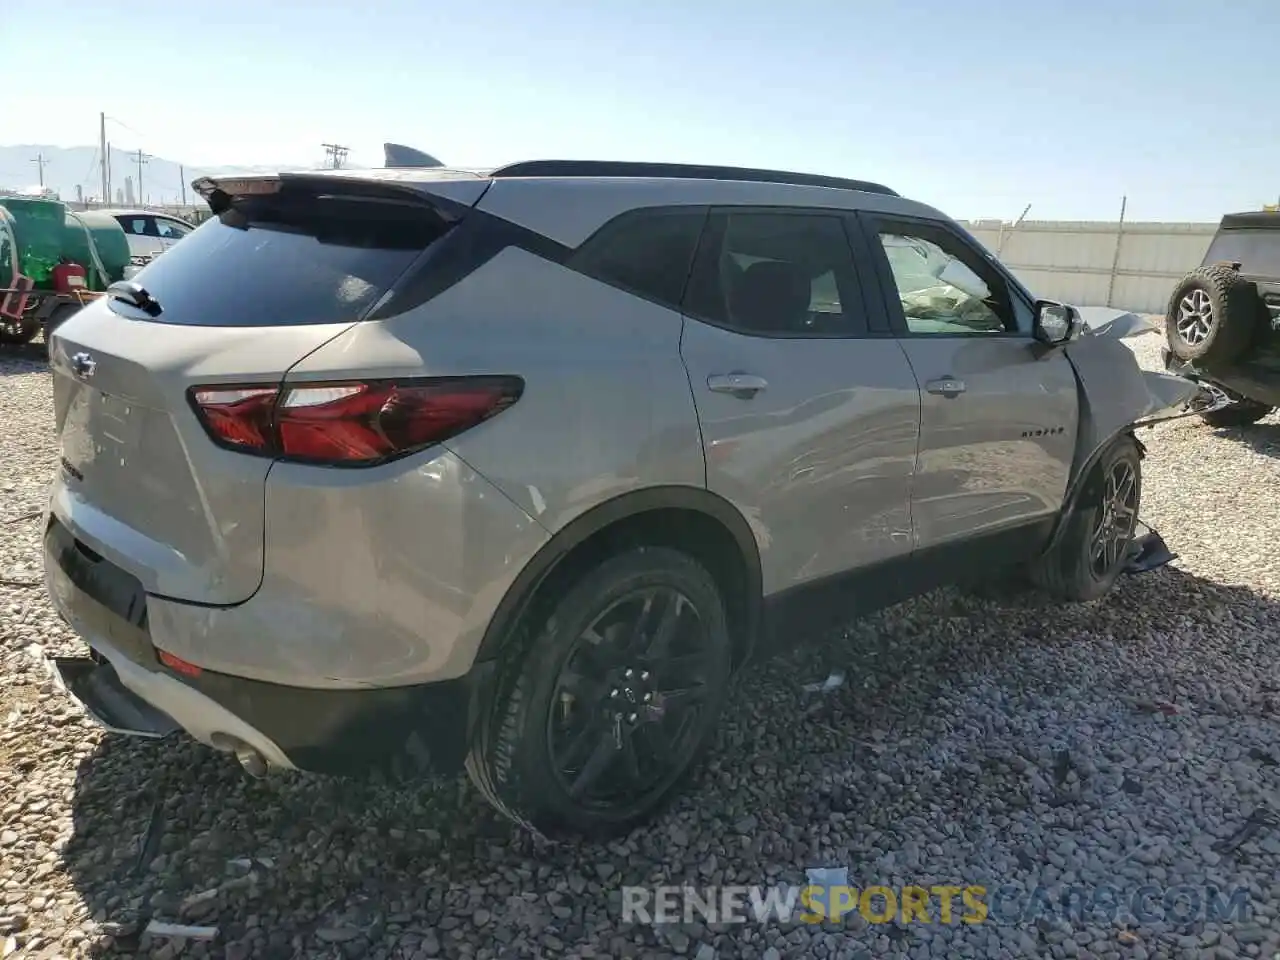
x: 1118, y: 396
x: 1115, y: 392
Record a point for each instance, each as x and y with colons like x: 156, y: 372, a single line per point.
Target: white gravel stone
x: 974, y: 741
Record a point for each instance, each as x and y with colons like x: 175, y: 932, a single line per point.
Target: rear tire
x: 1242, y: 413
x: 1105, y: 513
x: 1212, y: 316
x: 546, y: 752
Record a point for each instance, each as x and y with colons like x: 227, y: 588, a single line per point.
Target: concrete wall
x: 1098, y: 263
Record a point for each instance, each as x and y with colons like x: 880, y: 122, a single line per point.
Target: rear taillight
x: 352, y: 422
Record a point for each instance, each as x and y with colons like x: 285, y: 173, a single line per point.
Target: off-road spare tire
x: 1212, y: 316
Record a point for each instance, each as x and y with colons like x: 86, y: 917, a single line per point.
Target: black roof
x: 680, y: 171
x: 1252, y: 220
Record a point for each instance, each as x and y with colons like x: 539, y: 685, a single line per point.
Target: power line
x: 121, y: 123
x: 336, y: 153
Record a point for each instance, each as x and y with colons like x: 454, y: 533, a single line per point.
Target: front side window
x: 776, y: 274
x: 939, y: 288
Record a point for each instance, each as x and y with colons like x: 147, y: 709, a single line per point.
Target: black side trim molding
x: 802, y: 613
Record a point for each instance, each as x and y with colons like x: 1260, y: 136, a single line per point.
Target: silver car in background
x: 423, y: 470
x: 149, y: 234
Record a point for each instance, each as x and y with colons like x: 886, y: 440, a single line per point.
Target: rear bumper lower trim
x: 114, y: 706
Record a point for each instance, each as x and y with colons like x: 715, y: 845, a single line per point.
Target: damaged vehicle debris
x: 511, y: 471
x: 1223, y: 322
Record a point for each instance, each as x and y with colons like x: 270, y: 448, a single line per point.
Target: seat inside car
x: 771, y: 295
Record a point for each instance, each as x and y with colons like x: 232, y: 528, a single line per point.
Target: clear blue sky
x: 977, y: 106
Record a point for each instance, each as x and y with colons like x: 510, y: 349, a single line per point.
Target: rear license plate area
x: 97, y: 596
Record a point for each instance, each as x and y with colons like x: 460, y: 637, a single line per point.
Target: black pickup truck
x: 1223, y: 322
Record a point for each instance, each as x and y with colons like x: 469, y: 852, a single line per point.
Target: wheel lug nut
x: 613, y: 692
x: 631, y: 718
x: 629, y: 672
x: 648, y: 697
x: 644, y: 674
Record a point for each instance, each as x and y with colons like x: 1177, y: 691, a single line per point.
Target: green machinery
x: 52, y: 260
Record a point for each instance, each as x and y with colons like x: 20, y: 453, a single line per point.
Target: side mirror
x: 1055, y: 323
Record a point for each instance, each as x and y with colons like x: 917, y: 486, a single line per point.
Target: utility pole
x: 182, y: 178
x: 1115, y: 254
x: 337, y: 154
x: 140, y: 158
x: 105, y: 151
x: 40, y: 162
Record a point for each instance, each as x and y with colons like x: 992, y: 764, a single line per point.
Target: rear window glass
x: 1258, y: 251
x: 288, y: 261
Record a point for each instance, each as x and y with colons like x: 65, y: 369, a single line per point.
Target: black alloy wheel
x: 606, y: 696
x: 628, y: 697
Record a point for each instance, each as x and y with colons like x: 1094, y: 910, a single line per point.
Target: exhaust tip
x: 254, y: 763
x: 249, y: 758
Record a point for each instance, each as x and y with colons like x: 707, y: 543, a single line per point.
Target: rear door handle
x: 946, y: 387
x: 741, y: 385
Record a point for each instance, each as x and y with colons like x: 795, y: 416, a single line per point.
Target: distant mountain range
x: 66, y: 168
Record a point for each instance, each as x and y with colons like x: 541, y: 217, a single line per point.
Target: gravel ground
x: 977, y: 741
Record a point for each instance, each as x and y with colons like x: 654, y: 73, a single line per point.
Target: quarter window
x: 776, y: 274
x: 942, y: 286
x: 646, y: 252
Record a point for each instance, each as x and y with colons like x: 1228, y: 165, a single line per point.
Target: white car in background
x: 149, y: 234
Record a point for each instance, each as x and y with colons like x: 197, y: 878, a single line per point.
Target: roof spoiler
x: 398, y: 155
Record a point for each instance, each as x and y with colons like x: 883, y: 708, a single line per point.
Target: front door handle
x: 946, y: 387
x: 741, y: 385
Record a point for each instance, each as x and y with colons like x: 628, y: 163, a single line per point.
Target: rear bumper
x: 398, y: 731
x: 1254, y: 382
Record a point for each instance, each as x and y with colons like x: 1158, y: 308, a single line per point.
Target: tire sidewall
x: 531, y: 763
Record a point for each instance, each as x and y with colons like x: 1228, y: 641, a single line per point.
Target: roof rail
x: 679, y: 171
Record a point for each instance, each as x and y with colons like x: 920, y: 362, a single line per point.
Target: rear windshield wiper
x: 135, y: 295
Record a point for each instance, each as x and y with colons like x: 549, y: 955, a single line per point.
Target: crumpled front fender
x: 1116, y: 394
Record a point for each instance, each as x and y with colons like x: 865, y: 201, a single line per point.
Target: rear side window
x: 645, y: 252
x: 776, y: 275
x: 289, y: 259
x: 1258, y: 251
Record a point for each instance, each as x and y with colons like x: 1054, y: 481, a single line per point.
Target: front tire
x: 597, y: 720
x: 1242, y: 413
x: 1094, y: 546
